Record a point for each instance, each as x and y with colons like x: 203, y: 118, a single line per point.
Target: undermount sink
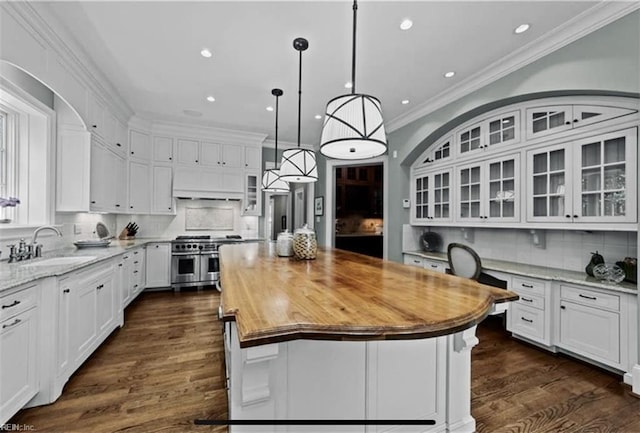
x: 60, y: 261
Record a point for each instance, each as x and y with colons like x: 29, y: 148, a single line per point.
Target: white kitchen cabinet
x: 65, y: 309
x: 103, y: 194
x: 432, y: 196
x: 139, y: 187
x: 252, y: 158
x: 435, y: 265
x: 162, y: 198
x: 530, y: 317
x: 252, y: 203
x: 121, y: 138
x: 210, y: 154
x: 163, y: 149
x: 489, y: 190
x: 591, y: 324
x: 232, y: 156
x: 125, y: 277
x: 73, y: 168
x: 188, y: 151
x: 585, y: 181
x: 18, y: 349
x: 441, y: 152
x: 96, y: 114
x: 119, y: 183
x: 139, y: 145
x: 110, y: 129
x: 158, y: 265
x: 551, y: 119
x: 138, y: 271
x: 84, y: 330
x: 413, y: 260
x: 500, y: 129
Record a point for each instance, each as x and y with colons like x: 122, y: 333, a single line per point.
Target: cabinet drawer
x: 529, y: 285
x: 17, y: 302
x: 531, y: 300
x: 433, y: 265
x: 413, y: 261
x: 589, y: 297
x: 527, y: 321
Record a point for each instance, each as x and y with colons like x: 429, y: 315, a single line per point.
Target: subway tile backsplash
x: 565, y: 249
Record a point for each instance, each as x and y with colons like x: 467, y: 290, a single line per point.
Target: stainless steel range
x: 195, y: 262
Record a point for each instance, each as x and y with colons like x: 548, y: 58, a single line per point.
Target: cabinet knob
x: 567, y: 216
x: 170, y: 158
x: 93, y: 202
x: 130, y: 207
x: 567, y: 123
x: 562, y: 307
x: 575, y: 216
x: 132, y: 153
x: 196, y: 160
x: 118, y: 144
x: 66, y: 291
x: 576, y: 120
x: 94, y: 126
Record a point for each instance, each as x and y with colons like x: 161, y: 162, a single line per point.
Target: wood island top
x: 343, y: 296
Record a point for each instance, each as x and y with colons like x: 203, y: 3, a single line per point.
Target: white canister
x: 284, y: 245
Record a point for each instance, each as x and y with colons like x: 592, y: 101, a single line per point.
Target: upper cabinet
x: 571, y: 163
x: 162, y: 149
x: 552, y: 119
x: 139, y: 145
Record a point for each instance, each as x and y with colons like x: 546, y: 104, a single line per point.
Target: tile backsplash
x: 564, y: 249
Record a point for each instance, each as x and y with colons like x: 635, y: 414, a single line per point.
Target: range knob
x: 200, y: 247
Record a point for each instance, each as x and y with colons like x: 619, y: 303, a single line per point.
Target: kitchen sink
x: 60, y: 261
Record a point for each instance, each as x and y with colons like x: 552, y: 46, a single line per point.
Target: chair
x: 465, y: 262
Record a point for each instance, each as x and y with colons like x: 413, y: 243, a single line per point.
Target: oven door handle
x: 185, y: 254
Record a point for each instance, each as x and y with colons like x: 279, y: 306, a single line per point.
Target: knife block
x: 124, y: 235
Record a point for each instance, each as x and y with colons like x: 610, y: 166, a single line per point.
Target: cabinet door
x: 188, y: 151
x: 162, y: 190
x: 110, y: 129
x: 139, y: 145
x: 432, y: 197
x: 542, y: 121
x: 119, y: 183
x: 158, y: 265
x: 232, y: 156
x: 18, y: 374
x: 441, y: 151
x: 106, y: 304
x: 65, y: 308
x: 138, y: 271
x: 605, y: 178
x: 589, y: 331
x: 503, y: 180
x: 162, y: 149
x: 252, y: 158
x: 100, y: 185
x: 421, y: 186
x: 584, y: 115
x: 470, y: 193
x: 527, y: 321
x: 548, y: 190
x: 210, y: 154
x: 84, y: 331
x: 413, y: 260
x: 252, y: 203
x: 126, y: 278
x: 139, y: 187
x: 503, y: 129
x: 96, y: 115
x: 121, y: 138
x: 470, y: 139
x: 73, y: 171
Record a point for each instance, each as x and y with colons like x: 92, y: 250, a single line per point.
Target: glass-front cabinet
x: 441, y: 152
x: 586, y: 181
x: 432, y: 195
x: 489, y: 191
x: 252, y: 203
x: 496, y: 130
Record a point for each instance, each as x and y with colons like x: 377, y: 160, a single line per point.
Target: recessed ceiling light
x: 269, y: 108
x: 211, y: 98
x: 205, y: 53
x: 405, y: 101
x: 318, y: 117
x: 348, y: 85
x: 521, y: 28
x: 406, y: 24
x: 192, y: 113
x: 449, y: 74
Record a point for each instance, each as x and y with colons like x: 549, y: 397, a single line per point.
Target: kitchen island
x: 348, y: 337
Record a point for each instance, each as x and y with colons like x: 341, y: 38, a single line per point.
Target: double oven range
x: 195, y: 262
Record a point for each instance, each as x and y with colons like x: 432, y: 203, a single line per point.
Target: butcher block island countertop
x: 344, y: 296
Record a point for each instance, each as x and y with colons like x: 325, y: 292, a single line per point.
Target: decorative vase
x: 284, y: 244
x: 305, y: 246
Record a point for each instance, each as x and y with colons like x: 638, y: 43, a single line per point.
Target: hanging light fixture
x: 271, y: 181
x: 299, y: 165
x: 353, y: 126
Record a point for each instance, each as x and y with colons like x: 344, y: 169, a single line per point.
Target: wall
x: 607, y: 59
x: 27, y: 83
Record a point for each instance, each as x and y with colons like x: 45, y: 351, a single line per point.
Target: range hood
x: 189, y: 182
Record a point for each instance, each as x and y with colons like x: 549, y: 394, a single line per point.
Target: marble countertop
x: 540, y: 272
x: 18, y: 273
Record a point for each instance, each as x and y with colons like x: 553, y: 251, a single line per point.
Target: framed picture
x: 318, y: 208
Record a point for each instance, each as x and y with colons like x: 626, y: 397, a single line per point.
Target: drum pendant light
x: 353, y: 127
x: 271, y: 181
x: 299, y: 165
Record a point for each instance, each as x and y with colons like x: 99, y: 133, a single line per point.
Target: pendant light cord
x: 276, y: 154
x: 299, y: 95
x: 353, y: 49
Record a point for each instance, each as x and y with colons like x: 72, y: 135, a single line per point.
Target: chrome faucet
x: 37, y: 249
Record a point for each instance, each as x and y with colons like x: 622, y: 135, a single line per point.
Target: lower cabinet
x: 18, y: 349
x: 591, y: 324
x: 529, y: 317
x: 86, y: 315
x: 158, y: 265
x: 131, y: 275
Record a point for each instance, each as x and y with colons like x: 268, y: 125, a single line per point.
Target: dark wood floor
x: 165, y: 368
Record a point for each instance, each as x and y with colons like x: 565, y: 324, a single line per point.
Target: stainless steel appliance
x: 195, y: 262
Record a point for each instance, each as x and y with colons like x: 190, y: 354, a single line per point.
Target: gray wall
x: 607, y: 59
x: 27, y: 83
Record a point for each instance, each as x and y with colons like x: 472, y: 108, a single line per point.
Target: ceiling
x: 151, y: 53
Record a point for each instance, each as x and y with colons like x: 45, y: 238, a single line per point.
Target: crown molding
x: 581, y: 25
x: 38, y: 20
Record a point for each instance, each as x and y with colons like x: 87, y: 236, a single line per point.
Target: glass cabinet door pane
x: 540, y: 206
x: 556, y: 119
x: 494, y: 171
x: 540, y: 163
x: 614, y: 177
x: 614, y: 150
x: 539, y: 185
x: 556, y: 160
x: 591, y: 154
x: 475, y: 175
x: 591, y: 205
x: 445, y: 179
x: 591, y: 179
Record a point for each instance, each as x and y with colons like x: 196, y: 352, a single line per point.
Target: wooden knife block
x: 124, y: 235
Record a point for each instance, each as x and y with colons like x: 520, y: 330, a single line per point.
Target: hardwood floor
x: 165, y: 368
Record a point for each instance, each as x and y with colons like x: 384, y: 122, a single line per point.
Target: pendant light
x: 299, y: 165
x: 271, y: 181
x: 353, y: 126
